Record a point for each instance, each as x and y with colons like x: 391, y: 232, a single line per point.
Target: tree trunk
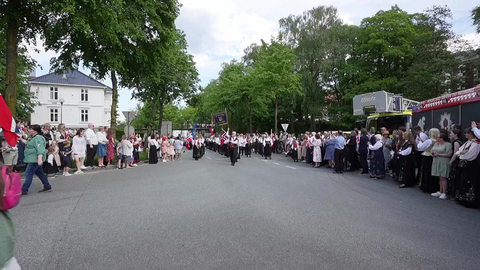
x: 150, y: 122
x: 160, y: 119
x: 276, y: 115
x: 251, y: 118
x: 12, y: 62
x: 312, y: 123
x: 113, y: 109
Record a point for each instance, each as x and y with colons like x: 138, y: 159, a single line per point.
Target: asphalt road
x: 257, y: 215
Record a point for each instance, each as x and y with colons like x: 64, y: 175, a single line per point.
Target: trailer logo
x: 445, y: 121
x: 368, y: 99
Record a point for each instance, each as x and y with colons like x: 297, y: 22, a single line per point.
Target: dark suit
x: 352, y: 153
x: 363, y: 150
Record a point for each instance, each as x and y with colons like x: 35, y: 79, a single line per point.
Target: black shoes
x: 45, y: 189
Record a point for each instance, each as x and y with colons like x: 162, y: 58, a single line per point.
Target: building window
x: 53, y: 93
x: 83, y: 116
x: 53, y: 115
x: 84, y: 95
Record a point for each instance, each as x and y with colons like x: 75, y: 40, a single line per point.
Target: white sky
x: 218, y: 30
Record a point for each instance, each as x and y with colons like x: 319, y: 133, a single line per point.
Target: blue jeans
x: 34, y: 168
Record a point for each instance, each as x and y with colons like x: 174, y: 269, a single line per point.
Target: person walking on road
x: 233, y: 148
x: 7, y: 235
x: 35, y: 156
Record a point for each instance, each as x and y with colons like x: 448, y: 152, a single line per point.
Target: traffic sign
x: 128, y: 130
x: 285, y: 126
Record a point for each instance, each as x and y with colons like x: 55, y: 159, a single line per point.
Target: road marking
x: 265, y: 160
x: 209, y: 157
x: 275, y: 163
x: 256, y: 157
x: 291, y: 167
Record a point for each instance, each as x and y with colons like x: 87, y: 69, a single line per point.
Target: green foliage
x: 25, y: 100
x: 476, y: 17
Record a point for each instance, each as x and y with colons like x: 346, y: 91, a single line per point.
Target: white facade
x: 82, y: 104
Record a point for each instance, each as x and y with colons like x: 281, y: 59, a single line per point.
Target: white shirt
x: 376, y: 146
x: 91, y: 137
x: 476, y: 131
x: 102, y: 139
x: 234, y: 140
x: 422, y: 146
x: 267, y: 140
x: 242, y: 142
x: 472, y: 152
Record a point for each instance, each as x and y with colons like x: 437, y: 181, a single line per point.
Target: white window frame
x: 53, y: 93
x: 53, y: 114
x: 84, y: 95
x: 84, y: 112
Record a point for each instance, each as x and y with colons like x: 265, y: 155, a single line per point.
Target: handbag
x: 462, y: 163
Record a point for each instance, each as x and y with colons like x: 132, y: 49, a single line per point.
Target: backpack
x: 13, y: 189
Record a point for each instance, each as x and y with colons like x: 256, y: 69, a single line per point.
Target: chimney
x: 64, y: 76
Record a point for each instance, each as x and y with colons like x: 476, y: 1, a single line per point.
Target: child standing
x: 66, y: 157
x: 51, y: 166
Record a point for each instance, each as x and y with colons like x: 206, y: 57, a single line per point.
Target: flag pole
x: 228, y: 122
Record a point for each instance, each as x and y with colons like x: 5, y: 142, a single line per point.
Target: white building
x: 72, y: 98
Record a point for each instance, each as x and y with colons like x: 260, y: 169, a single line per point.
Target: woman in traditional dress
x: 196, y: 148
x: 377, y: 168
x: 407, y: 153
x: 397, y: 158
x: 152, y: 153
x: 441, y: 153
x: 317, y: 150
x: 248, y: 146
x: 110, y: 146
x: 429, y: 182
x: 61, y: 137
x: 267, y: 146
x: 469, y: 165
x: 454, y: 179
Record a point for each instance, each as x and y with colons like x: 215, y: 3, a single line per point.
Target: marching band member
x: 248, y: 146
x: 196, y: 148
x: 241, y: 145
x: 233, y: 143
x: 267, y: 146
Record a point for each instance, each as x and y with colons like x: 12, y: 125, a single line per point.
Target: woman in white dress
x: 79, y: 147
x: 317, y: 150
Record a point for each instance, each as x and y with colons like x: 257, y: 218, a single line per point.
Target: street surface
x: 257, y: 215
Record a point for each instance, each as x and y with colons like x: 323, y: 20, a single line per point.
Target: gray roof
x: 73, y: 77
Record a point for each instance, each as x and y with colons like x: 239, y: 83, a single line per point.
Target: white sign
x: 285, y: 126
x: 128, y: 130
x: 129, y: 115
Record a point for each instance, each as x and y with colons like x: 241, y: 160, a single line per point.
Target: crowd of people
x: 48, y: 152
x: 444, y: 163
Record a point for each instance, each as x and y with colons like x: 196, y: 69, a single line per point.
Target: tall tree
x: 113, y: 38
x: 25, y: 100
x: 315, y: 37
x: 476, y: 17
x: 274, y: 73
x: 23, y: 20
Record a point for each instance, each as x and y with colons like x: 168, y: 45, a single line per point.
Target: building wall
x: 98, y: 105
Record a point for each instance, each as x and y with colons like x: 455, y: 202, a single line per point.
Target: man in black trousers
x: 363, y: 150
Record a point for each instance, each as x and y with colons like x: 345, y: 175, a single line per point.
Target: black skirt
x: 152, y: 155
x: 429, y: 184
x: 267, y: 150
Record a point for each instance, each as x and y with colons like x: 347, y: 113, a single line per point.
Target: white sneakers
x: 83, y: 167
x: 66, y: 174
x: 442, y: 196
x: 78, y: 172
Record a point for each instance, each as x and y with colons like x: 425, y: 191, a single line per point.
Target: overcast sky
x: 218, y: 30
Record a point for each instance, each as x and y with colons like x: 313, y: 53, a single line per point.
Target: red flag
x: 223, y: 138
x: 7, y: 123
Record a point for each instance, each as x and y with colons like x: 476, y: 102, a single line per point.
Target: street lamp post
x: 61, y: 109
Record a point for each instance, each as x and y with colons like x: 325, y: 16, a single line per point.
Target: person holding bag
x: 7, y: 235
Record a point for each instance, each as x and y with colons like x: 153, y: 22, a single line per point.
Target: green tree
x: 317, y: 36
x: 274, y: 73
x: 25, y: 100
x: 476, y: 17
x: 23, y: 20
x: 113, y: 38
